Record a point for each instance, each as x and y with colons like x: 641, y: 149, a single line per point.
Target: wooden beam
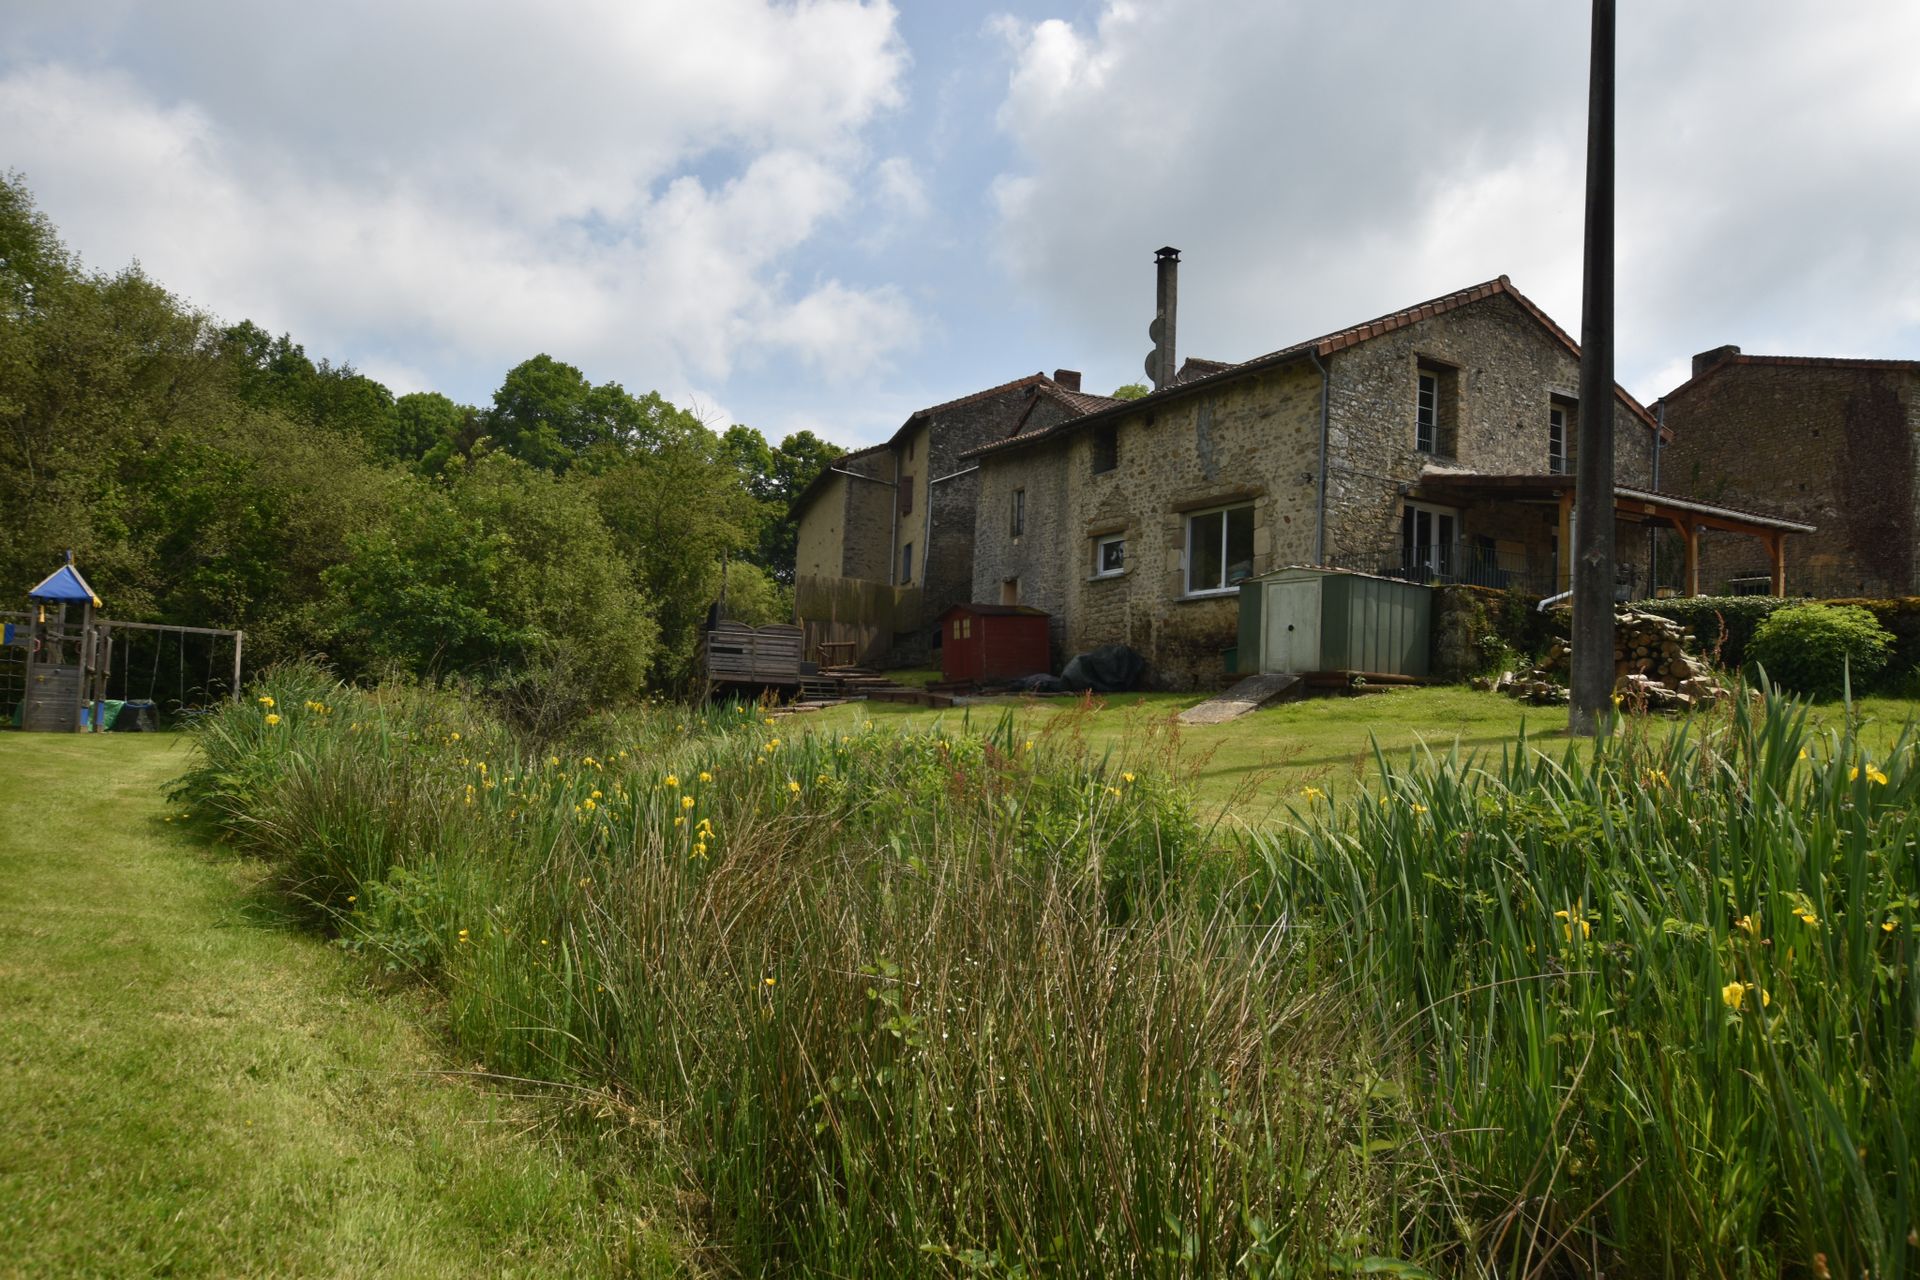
x: 1777, y: 546
x: 167, y: 626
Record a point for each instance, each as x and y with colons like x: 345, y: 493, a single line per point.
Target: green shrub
x: 1816, y: 648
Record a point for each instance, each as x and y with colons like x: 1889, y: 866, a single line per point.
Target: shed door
x: 1292, y: 626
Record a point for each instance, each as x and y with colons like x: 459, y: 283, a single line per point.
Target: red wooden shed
x: 993, y: 642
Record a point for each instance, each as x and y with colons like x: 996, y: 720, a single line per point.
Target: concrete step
x: 1244, y: 698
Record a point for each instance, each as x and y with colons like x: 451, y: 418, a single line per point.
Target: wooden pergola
x: 1686, y: 516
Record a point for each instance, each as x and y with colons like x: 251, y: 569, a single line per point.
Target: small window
x: 1106, y: 448
x: 1017, y: 513
x: 1436, y: 410
x: 1219, y: 549
x: 906, y: 495
x: 906, y: 565
x: 1109, y: 557
x: 1426, y: 413
x: 1010, y: 591
x: 1562, y: 425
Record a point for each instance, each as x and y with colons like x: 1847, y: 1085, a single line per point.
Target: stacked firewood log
x: 1652, y: 667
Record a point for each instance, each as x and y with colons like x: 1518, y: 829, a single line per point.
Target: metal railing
x: 1454, y: 563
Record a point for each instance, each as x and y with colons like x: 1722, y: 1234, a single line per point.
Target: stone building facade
x: 903, y: 513
x: 1136, y: 522
x: 1827, y: 441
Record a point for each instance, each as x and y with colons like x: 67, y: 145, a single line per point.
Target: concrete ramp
x: 1249, y: 695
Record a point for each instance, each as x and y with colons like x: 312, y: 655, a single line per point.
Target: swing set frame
x: 67, y: 657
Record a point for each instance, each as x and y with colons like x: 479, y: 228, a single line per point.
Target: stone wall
x: 952, y: 508
x: 1034, y: 562
x: 1508, y: 373
x: 1828, y: 444
x: 846, y: 528
x: 1252, y: 441
x: 820, y: 544
x: 1255, y: 440
x: 869, y: 525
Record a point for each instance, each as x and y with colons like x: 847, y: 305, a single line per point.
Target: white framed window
x: 1219, y: 549
x: 1557, y: 440
x: 1436, y: 409
x: 1110, y: 556
x: 1429, y: 541
x: 1426, y: 412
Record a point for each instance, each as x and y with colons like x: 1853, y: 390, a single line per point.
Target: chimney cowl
x: 1707, y: 359
x: 1067, y: 378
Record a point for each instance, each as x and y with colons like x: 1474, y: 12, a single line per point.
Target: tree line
x: 211, y: 474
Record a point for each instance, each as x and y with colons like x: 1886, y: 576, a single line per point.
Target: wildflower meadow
x: 959, y: 1002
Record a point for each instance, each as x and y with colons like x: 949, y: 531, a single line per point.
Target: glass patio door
x: 1428, y: 537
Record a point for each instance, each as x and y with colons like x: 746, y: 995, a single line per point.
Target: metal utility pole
x: 1593, y: 575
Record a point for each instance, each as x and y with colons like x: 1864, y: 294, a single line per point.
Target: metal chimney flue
x: 1160, y: 364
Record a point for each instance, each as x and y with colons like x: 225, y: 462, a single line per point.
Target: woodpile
x: 1653, y: 668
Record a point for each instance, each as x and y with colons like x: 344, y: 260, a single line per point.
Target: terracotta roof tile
x: 1080, y: 403
x: 1339, y: 340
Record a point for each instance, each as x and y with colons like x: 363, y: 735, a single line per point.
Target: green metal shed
x: 1305, y: 619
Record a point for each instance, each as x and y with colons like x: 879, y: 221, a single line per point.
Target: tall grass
x: 960, y: 1003
x: 918, y: 1003
x: 1661, y: 994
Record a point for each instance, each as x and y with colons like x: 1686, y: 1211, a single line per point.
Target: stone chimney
x: 1160, y: 366
x: 1707, y: 359
x: 1067, y: 378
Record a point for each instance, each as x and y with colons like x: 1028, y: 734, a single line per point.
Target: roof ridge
x: 1885, y: 364
x: 1352, y: 335
x: 969, y: 398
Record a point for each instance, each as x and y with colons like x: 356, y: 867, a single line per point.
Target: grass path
x: 189, y: 1087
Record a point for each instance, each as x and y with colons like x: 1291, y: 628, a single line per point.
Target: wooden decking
x: 836, y: 685
x: 739, y: 654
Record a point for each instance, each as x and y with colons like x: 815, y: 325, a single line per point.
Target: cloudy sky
x: 828, y: 213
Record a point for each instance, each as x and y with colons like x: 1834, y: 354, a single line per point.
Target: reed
x: 951, y: 1001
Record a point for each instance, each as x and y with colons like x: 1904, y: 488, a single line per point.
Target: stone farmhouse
x: 1827, y: 441
x: 885, y: 534
x: 1435, y: 444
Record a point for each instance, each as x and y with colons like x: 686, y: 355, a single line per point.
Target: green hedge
x: 1724, y: 625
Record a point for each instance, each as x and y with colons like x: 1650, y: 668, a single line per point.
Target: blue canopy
x: 66, y: 586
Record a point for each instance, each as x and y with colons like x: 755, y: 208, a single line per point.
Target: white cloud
x: 1321, y: 164
x: 901, y: 188
x: 623, y: 184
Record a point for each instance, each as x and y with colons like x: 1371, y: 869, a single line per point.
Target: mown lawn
x: 1253, y: 766
x: 193, y: 1088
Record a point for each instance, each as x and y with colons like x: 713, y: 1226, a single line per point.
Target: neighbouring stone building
x: 1827, y: 441
x: 1433, y: 444
x: 885, y: 534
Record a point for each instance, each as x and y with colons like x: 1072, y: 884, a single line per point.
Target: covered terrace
x: 1489, y: 502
